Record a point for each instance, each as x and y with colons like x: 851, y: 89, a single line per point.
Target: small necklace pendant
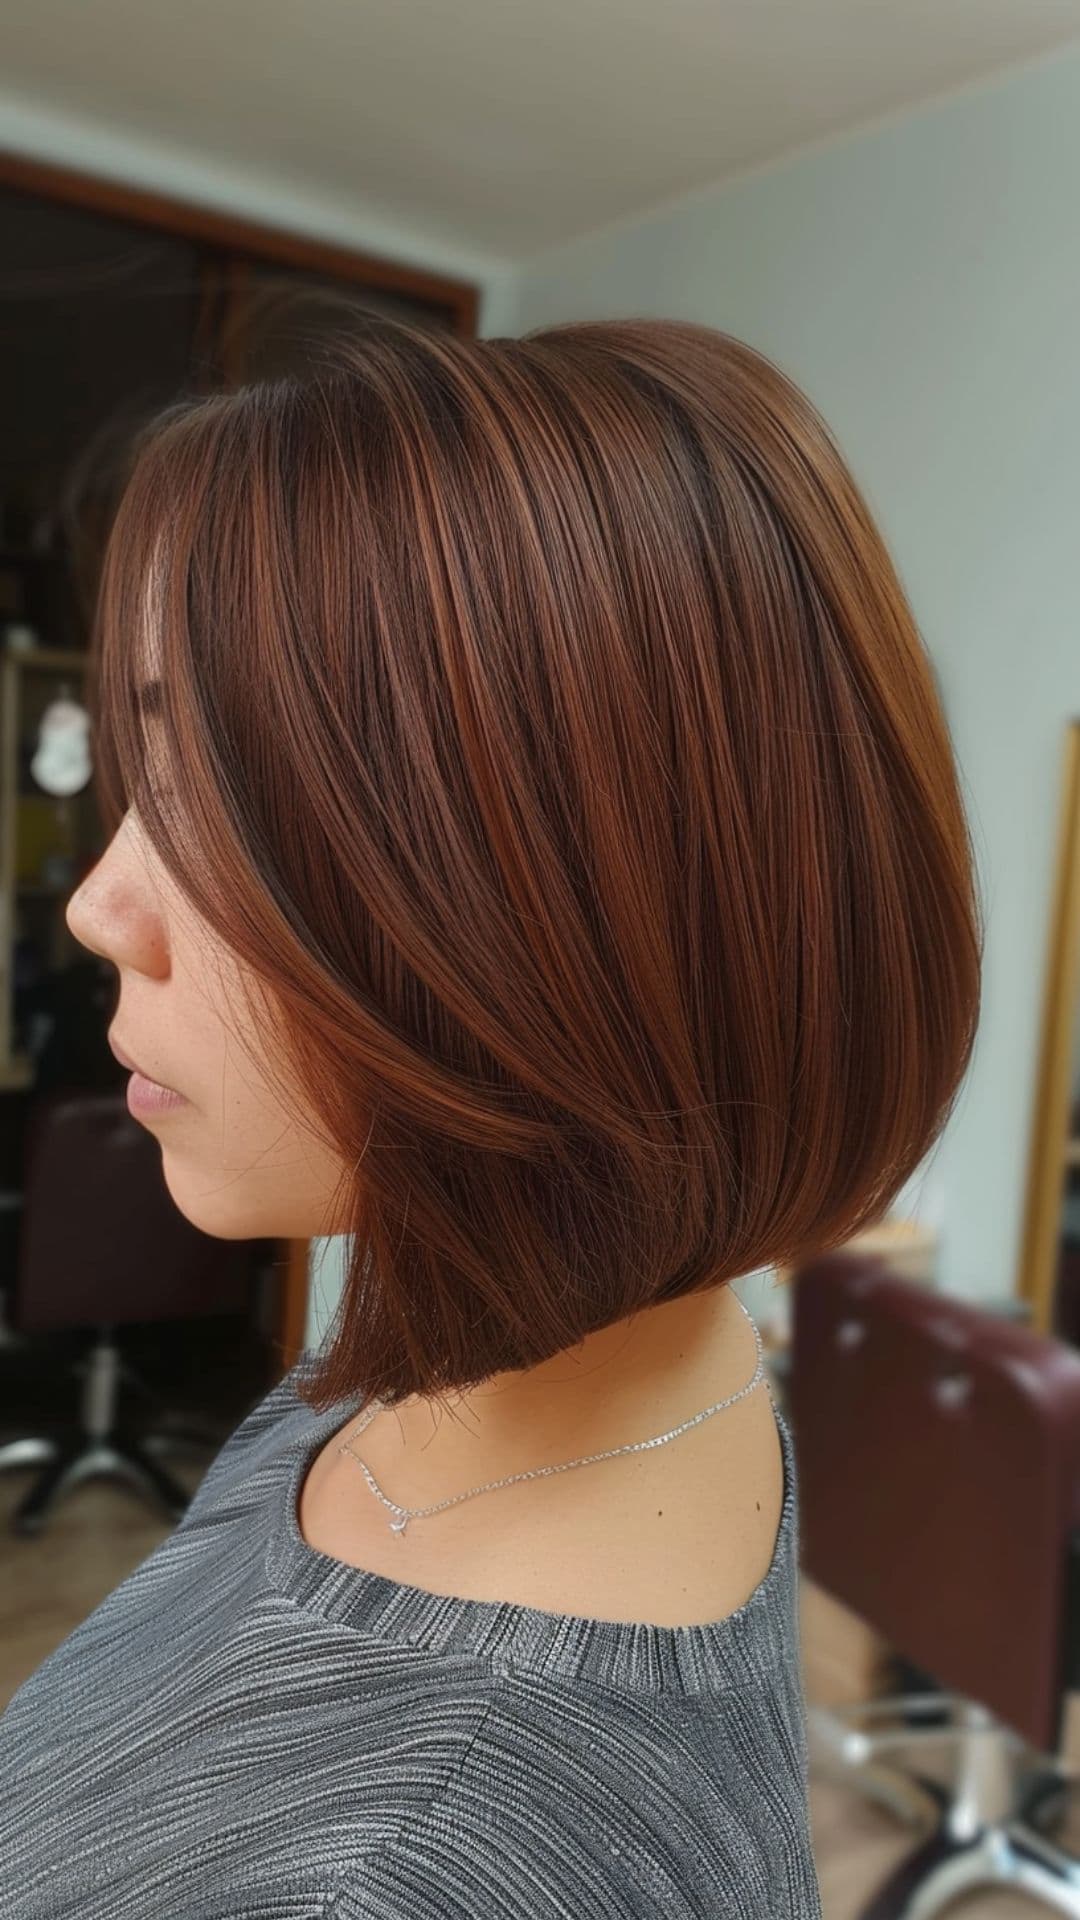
x: 399, y: 1526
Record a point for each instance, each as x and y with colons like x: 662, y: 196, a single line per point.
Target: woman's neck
x: 626, y: 1383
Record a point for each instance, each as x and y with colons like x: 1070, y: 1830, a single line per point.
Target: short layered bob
x: 547, y: 733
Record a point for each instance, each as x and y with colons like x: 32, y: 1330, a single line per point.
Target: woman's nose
x: 114, y: 913
x: 83, y: 911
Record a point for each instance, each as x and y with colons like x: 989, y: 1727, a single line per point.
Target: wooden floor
x: 101, y: 1532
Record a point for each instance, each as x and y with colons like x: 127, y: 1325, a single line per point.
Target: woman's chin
x: 239, y: 1206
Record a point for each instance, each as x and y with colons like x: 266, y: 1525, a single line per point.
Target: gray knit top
x: 249, y: 1729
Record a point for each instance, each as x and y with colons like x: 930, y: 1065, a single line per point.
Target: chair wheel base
x: 943, y: 1869
x: 73, y: 1457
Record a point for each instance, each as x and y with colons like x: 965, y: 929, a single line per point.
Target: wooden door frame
x: 457, y: 300
x: 292, y: 1302
x: 1048, y: 1145
x: 241, y: 239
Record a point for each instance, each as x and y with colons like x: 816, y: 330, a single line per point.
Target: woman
x: 538, y: 855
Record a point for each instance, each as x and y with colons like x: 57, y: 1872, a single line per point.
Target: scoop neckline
x: 509, y: 1637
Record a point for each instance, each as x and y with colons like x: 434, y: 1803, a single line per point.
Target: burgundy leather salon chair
x: 102, y: 1246
x: 939, y: 1461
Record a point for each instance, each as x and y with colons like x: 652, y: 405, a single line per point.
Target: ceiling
x: 497, y: 126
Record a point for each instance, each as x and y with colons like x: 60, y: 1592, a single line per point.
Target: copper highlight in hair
x: 543, y: 725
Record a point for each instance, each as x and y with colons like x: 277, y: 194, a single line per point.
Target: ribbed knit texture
x: 248, y: 1729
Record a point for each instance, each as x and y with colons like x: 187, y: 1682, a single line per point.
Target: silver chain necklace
x: 405, y: 1514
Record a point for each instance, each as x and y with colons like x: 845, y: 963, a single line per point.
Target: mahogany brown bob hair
x: 544, y: 728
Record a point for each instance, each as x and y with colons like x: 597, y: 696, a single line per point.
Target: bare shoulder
x: 689, y: 1540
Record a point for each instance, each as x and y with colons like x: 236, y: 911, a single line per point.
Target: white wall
x: 922, y: 282
x: 326, y: 1272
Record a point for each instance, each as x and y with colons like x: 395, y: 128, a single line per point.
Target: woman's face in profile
x: 236, y: 1162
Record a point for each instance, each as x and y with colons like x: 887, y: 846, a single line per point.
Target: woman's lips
x: 145, y: 1097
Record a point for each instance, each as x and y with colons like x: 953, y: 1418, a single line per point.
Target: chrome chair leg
x: 981, y: 1827
x: 97, y: 1445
